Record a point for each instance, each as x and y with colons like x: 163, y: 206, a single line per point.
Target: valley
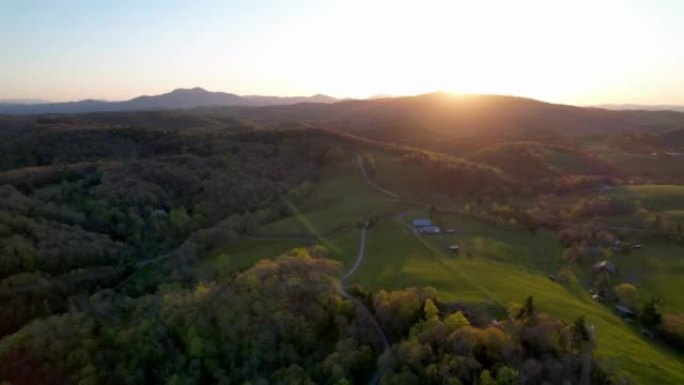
x: 105, y: 214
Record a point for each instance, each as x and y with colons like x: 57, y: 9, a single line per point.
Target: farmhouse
x: 429, y: 230
x: 606, y: 266
x: 425, y: 226
x: 453, y: 248
x: 624, y: 311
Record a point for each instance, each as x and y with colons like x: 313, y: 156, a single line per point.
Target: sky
x: 577, y: 52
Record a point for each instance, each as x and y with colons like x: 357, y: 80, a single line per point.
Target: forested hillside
x: 462, y: 123
x: 83, y: 207
x: 111, y: 225
x: 285, y: 322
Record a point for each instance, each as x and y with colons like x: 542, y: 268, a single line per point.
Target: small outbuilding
x: 597, y: 298
x: 453, y: 248
x: 421, y: 223
x: 607, y: 266
x: 429, y: 230
x: 624, y: 311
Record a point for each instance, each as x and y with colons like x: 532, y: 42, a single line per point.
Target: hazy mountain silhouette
x: 646, y: 107
x: 179, y: 98
x: 445, y: 120
x: 23, y: 101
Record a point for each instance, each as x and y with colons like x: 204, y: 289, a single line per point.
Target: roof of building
x: 421, y: 222
x: 606, y: 265
x: 429, y: 229
x: 624, y: 310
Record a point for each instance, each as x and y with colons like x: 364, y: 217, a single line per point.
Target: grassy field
x: 656, y: 197
x: 239, y: 255
x: 656, y: 271
x: 659, y: 166
x: 494, y: 265
x: 410, y: 181
x: 510, y: 265
x: 336, y: 202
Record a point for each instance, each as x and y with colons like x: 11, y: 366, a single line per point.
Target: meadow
x: 661, y: 166
x: 494, y: 266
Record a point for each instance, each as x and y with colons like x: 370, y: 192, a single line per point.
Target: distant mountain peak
x: 189, y: 90
x: 178, y: 98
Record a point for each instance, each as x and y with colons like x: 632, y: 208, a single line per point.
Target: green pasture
x: 656, y: 270
x: 496, y: 266
x: 337, y: 202
x: 656, y: 197
x: 646, y: 165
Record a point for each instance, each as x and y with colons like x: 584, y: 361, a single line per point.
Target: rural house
x: 429, y: 230
x: 417, y: 223
x: 425, y: 226
x: 606, y: 266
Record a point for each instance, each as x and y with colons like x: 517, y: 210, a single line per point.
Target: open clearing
x: 659, y: 166
x: 657, y: 197
x: 494, y: 265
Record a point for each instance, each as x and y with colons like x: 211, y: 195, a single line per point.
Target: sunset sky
x: 578, y: 52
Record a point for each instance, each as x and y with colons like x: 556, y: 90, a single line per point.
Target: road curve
x: 344, y: 293
x: 359, y: 257
x: 370, y: 181
x: 355, y: 267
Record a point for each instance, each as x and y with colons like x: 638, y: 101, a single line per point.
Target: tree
x: 527, y: 311
x: 486, y: 378
x: 506, y: 376
x: 567, y: 237
x: 649, y: 316
x: 430, y: 310
x: 456, y: 320
x: 627, y: 294
x: 657, y: 223
x: 179, y: 219
x: 672, y: 329
x: 580, y: 334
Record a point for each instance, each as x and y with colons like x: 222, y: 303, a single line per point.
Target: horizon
x: 617, y: 106
x: 623, y: 53
x: 342, y: 192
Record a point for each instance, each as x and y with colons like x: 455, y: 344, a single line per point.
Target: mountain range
x: 179, y: 98
x: 644, y: 107
x: 444, y: 121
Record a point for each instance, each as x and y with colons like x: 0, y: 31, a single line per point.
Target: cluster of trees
x: 602, y: 206
x: 671, y: 329
x: 566, y: 184
x: 668, y: 327
x: 284, y: 321
x: 81, y: 206
x: 460, y: 176
x: 525, y: 160
x: 542, y: 214
x: 660, y: 226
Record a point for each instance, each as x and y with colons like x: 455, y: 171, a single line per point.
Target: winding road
x: 344, y: 293
x: 343, y: 290
x: 359, y: 158
x: 436, y: 253
x: 355, y: 267
x: 359, y: 257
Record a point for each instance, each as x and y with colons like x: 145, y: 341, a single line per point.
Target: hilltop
x: 178, y: 98
x: 443, y: 121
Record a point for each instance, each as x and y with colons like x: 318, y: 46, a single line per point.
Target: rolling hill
x: 179, y: 98
x: 443, y: 121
